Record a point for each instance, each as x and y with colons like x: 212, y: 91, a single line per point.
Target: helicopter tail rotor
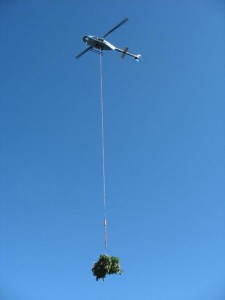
x: 138, y: 56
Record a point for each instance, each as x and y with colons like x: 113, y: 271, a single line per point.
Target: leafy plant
x: 106, y: 265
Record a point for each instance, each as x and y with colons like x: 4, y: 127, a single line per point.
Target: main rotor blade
x: 114, y: 28
x: 83, y: 52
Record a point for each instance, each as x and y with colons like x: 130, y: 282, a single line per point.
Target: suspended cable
x: 103, y: 154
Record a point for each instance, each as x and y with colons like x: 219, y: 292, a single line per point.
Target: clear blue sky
x: 164, y: 148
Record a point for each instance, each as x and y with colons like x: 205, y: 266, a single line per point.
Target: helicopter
x: 101, y: 44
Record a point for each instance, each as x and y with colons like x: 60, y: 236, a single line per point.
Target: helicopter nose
x: 85, y: 39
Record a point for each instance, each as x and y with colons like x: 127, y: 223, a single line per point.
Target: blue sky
x: 164, y: 150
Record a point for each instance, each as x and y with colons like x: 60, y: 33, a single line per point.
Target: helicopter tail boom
x: 125, y: 52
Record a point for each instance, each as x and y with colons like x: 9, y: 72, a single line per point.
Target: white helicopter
x: 102, y: 44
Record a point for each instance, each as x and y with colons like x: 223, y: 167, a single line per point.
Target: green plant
x: 106, y: 265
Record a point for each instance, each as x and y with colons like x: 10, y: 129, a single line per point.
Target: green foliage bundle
x: 106, y: 265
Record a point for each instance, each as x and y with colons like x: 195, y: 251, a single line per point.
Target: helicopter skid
x: 97, y: 51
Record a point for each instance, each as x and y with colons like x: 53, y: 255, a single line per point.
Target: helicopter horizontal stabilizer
x: 124, y: 52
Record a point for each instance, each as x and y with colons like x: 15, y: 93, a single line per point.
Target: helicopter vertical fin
x: 124, y: 52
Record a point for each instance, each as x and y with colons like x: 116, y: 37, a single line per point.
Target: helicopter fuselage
x: 98, y: 43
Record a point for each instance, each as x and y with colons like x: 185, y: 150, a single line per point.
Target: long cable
x: 103, y: 154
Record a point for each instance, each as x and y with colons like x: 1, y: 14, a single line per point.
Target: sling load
x: 106, y: 265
